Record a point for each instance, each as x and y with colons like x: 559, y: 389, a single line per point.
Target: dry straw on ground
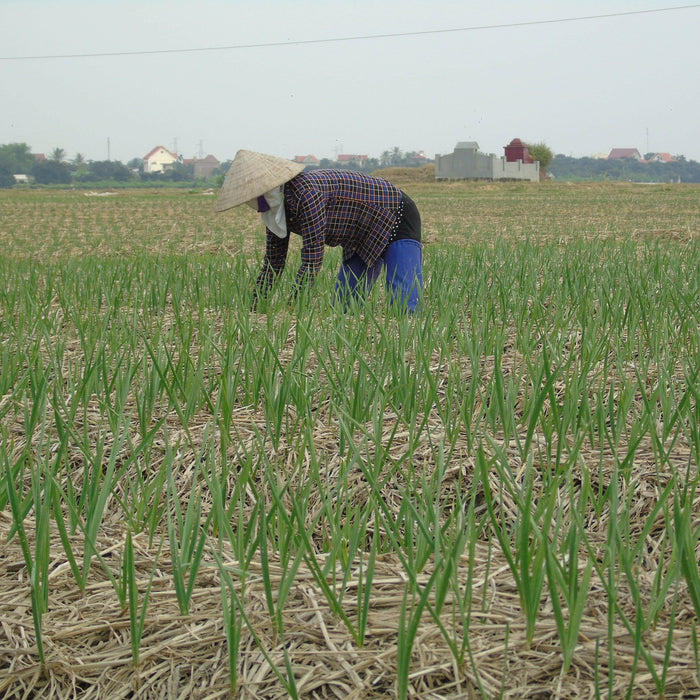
x: 87, y: 634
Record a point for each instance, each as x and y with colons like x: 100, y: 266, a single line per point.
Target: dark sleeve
x: 311, y: 225
x: 275, y: 257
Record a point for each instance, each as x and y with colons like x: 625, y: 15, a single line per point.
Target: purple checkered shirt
x: 331, y: 208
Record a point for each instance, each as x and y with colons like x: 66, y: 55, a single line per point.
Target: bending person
x: 377, y: 225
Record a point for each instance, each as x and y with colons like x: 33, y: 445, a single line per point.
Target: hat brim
x: 252, y: 174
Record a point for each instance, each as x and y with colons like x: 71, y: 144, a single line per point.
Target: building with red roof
x: 352, y: 159
x: 621, y: 153
x: 308, y: 161
x: 661, y: 158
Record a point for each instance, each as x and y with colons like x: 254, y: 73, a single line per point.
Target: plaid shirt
x: 331, y: 208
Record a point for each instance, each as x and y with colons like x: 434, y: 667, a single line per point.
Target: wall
x: 466, y: 162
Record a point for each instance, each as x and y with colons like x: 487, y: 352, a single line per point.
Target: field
x: 498, y: 497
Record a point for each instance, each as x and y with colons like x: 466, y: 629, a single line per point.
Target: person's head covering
x: 274, y: 217
x: 252, y: 174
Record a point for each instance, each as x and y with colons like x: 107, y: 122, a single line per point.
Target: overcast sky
x: 444, y: 71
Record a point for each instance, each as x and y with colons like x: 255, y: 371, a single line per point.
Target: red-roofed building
x: 621, y: 153
x: 661, y: 158
x: 308, y: 161
x: 419, y: 158
x: 203, y: 167
x: 352, y: 159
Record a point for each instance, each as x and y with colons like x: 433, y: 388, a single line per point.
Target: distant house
x: 620, y: 153
x: 22, y: 179
x: 308, y: 162
x: 661, y: 158
x: 205, y: 167
x: 352, y: 159
x: 419, y: 158
x: 159, y: 160
x: 466, y: 162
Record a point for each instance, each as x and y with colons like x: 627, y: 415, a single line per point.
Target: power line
x: 365, y: 37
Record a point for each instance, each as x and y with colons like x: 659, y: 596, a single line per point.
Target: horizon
x: 88, y: 159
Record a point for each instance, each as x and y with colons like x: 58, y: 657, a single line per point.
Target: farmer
x: 376, y: 224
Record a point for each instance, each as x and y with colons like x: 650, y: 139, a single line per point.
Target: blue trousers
x: 403, y: 260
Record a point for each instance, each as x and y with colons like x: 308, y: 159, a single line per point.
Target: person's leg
x: 355, y: 279
x: 404, y: 272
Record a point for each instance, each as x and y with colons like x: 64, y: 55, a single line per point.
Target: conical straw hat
x: 252, y: 174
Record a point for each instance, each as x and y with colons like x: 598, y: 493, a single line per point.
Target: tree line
x: 626, y: 169
x: 57, y: 169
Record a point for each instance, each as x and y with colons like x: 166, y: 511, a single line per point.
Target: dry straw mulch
x: 87, y: 634
x: 87, y: 638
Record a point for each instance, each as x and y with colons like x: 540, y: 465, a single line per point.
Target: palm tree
x: 79, y: 163
x: 58, y: 154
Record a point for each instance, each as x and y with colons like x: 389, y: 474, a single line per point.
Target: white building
x: 466, y: 162
x: 159, y: 160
